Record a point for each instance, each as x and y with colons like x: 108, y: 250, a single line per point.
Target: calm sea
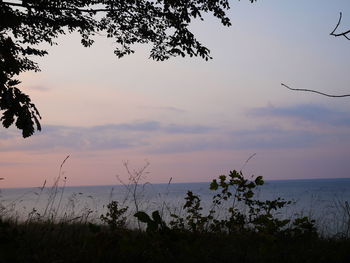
x: 322, y: 199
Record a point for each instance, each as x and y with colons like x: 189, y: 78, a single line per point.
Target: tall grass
x: 61, y: 234
x: 58, y: 210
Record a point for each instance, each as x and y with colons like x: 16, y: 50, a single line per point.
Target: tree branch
x: 315, y: 91
x: 59, y: 8
x: 343, y: 34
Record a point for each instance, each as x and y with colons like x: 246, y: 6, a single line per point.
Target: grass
x: 84, y: 242
x: 237, y: 228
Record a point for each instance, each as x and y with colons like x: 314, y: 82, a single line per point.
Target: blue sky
x: 192, y: 119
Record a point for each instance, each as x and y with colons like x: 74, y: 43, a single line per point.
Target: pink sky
x: 191, y: 119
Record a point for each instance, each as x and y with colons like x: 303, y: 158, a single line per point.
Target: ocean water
x: 322, y: 199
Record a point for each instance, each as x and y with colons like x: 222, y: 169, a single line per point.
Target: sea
x: 324, y: 200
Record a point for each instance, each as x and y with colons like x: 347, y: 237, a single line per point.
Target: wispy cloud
x: 158, y: 138
x: 152, y: 126
x: 164, y: 108
x: 102, y: 137
x: 4, y: 164
x: 259, y: 138
x: 38, y: 88
x: 147, y: 126
x: 188, y: 129
x: 305, y: 112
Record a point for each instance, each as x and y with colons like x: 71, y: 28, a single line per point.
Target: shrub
x: 114, y: 216
x: 235, y: 195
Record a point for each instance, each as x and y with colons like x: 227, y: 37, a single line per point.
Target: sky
x: 193, y: 120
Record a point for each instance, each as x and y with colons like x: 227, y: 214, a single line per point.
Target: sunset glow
x: 191, y: 119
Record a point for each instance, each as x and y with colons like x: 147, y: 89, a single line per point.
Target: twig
x: 250, y: 157
x: 94, y: 11
x: 344, y: 34
x: 315, y: 91
x: 135, y: 179
x: 53, y: 193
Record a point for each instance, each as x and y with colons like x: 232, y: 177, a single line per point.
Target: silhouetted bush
x: 236, y: 228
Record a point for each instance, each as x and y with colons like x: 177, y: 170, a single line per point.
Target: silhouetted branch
x: 250, y: 157
x: 315, y: 91
x: 344, y: 34
x: 59, y: 8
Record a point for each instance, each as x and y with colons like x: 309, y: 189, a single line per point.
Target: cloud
x: 133, y: 127
x: 8, y: 133
x: 16, y: 164
x: 38, y: 88
x: 188, y: 129
x: 152, y: 126
x: 101, y: 137
x: 259, y: 138
x: 165, y: 108
x: 312, y: 113
x: 158, y: 138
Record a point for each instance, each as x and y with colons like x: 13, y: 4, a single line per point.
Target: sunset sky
x: 191, y: 119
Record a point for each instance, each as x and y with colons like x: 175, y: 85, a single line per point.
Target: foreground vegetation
x: 89, y: 243
x: 250, y: 230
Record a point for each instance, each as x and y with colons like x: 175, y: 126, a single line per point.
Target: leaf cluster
x: 114, y: 217
x: 154, y: 223
x: 234, y: 194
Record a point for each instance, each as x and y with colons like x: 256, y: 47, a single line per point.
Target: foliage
x: 43, y: 242
x: 244, y: 214
x: 24, y: 24
x: 303, y: 226
x: 135, y: 185
x: 250, y: 231
x: 154, y: 224
x: 114, y: 216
